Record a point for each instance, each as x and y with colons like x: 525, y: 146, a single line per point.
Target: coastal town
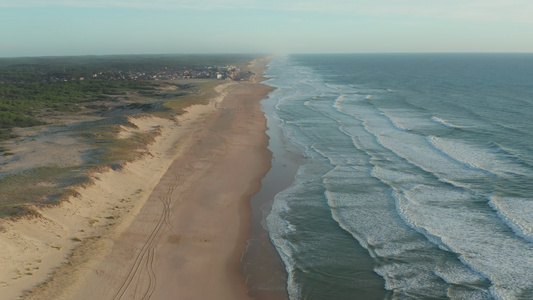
x: 229, y: 72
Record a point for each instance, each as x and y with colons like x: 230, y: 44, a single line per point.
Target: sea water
x: 418, y: 165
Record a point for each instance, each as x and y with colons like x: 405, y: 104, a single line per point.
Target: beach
x: 174, y: 222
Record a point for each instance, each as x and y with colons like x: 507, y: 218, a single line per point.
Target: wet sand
x: 262, y: 265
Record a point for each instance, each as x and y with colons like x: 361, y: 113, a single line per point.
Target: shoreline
x: 190, y: 213
x: 265, y: 271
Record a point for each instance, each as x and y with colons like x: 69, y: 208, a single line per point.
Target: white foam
x: 516, y: 212
x: 410, y: 146
x: 477, y: 157
x: 445, y: 122
x: 278, y: 227
x: 406, y: 119
x: 451, y: 215
x: 407, y: 261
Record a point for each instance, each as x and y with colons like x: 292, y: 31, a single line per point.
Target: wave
x: 478, y: 157
x: 406, y: 119
x: 516, y: 213
x: 407, y: 261
x: 518, y: 156
x: 446, y: 123
x: 278, y: 228
x: 465, y: 230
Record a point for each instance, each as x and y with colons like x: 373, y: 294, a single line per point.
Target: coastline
x: 174, y: 222
x: 265, y: 271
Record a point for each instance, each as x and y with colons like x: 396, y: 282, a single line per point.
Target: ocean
x: 417, y: 175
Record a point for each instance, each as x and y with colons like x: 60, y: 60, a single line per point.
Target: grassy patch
x: 50, y: 185
x: 40, y: 186
x: 18, y: 211
x: 5, y: 152
x: 118, y: 151
x: 108, y: 149
x: 200, y: 94
x: 22, y: 102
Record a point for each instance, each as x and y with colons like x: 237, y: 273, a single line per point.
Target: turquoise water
x: 417, y: 182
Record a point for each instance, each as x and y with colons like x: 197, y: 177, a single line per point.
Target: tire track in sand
x: 142, y: 269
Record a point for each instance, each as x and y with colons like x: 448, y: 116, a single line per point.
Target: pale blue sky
x: 80, y: 27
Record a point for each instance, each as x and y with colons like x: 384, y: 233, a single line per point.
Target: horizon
x: 255, y: 54
x: 139, y: 27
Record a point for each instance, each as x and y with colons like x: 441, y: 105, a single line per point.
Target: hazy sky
x: 78, y: 27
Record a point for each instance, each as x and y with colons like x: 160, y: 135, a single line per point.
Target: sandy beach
x: 171, y: 225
